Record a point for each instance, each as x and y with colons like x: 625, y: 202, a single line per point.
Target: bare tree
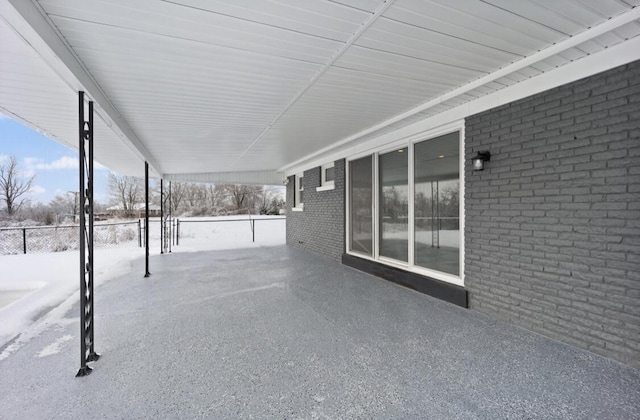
x: 13, y: 186
x: 271, y: 200
x: 243, y: 196
x: 215, y: 196
x: 178, y: 191
x: 126, y: 191
x: 195, y: 196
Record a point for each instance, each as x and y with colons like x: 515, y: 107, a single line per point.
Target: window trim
x: 324, y: 184
x: 409, y: 143
x: 297, y: 188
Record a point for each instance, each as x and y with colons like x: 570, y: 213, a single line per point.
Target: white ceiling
x: 236, y: 90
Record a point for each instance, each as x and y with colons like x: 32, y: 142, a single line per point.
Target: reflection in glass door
x: 361, y: 205
x: 394, y: 205
x: 437, y: 204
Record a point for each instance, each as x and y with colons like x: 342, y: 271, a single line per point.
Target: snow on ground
x: 47, y: 280
x: 230, y: 232
x: 33, y: 285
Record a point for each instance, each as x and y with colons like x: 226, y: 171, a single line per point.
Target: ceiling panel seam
x: 249, y: 20
x: 459, y: 38
x: 370, y: 21
x: 175, y: 37
x: 526, y: 18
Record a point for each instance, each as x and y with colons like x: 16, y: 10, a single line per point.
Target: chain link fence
x: 230, y: 231
x: 40, y: 239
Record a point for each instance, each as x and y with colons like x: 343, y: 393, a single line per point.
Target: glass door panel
x: 394, y: 205
x: 361, y: 205
x: 437, y: 204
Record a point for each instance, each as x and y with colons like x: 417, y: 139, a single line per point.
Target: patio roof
x: 227, y: 91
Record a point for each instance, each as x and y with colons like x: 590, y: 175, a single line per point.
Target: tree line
x: 194, y: 199
x: 126, y: 195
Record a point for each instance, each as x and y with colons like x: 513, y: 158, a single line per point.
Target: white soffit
x: 36, y: 96
x: 212, y: 89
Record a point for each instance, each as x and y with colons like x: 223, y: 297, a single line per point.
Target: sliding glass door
x: 437, y: 204
x: 404, y: 206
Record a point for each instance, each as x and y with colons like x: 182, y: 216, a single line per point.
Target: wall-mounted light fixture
x: 479, y: 159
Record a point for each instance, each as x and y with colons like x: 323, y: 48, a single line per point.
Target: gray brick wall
x: 320, y: 226
x: 552, y: 234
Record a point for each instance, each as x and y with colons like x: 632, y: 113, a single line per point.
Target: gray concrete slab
x: 278, y: 333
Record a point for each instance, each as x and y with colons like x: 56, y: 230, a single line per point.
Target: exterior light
x: 441, y: 157
x: 479, y: 159
x: 400, y: 150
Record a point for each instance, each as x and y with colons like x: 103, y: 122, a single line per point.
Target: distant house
x: 154, y: 210
x: 138, y: 210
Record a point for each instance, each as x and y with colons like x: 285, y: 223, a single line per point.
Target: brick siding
x: 320, y: 226
x: 552, y: 233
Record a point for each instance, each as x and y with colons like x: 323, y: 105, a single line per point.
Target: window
x: 299, y: 192
x: 327, y: 177
x: 404, y: 207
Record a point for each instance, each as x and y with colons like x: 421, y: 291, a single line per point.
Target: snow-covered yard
x: 32, y: 285
x: 230, y: 232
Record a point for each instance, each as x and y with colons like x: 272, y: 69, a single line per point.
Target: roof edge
x: 30, y: 22
x: 239, y: 177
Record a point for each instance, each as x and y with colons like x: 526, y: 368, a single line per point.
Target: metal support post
x: 87, y: 350
x: 24, y: 240
x: 146, y: 219
x: 170, y: 217
x: 170, y: 214
x: 162, y: 227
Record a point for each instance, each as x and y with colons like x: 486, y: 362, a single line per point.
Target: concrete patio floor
x: 277, y: 333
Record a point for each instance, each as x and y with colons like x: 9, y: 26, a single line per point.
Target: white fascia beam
x: 571, y: 42
x: 240, y: 177
x: 30, y: 22
x: 618, y: 55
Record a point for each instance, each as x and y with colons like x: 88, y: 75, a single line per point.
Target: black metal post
x: 253, y: 229
x: 84, y: 369
x: 87, y: 349
x: 170, y: 216
x: 162, y: 227
x: 146, y: 218
x: 139, y: 234
x: 93, y: 356
x: 24, y: 240
x: 178, y: 232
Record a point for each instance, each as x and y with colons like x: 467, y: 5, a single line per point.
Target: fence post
x: 24, y: 240
x: 253, y: 229
x: 177, y: 232
x: 139, y: 234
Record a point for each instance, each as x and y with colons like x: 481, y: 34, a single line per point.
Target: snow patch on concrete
x: 55, y: 347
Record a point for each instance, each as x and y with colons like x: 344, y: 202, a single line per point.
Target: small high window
x: 327, y: 177
x: 299, y: 192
